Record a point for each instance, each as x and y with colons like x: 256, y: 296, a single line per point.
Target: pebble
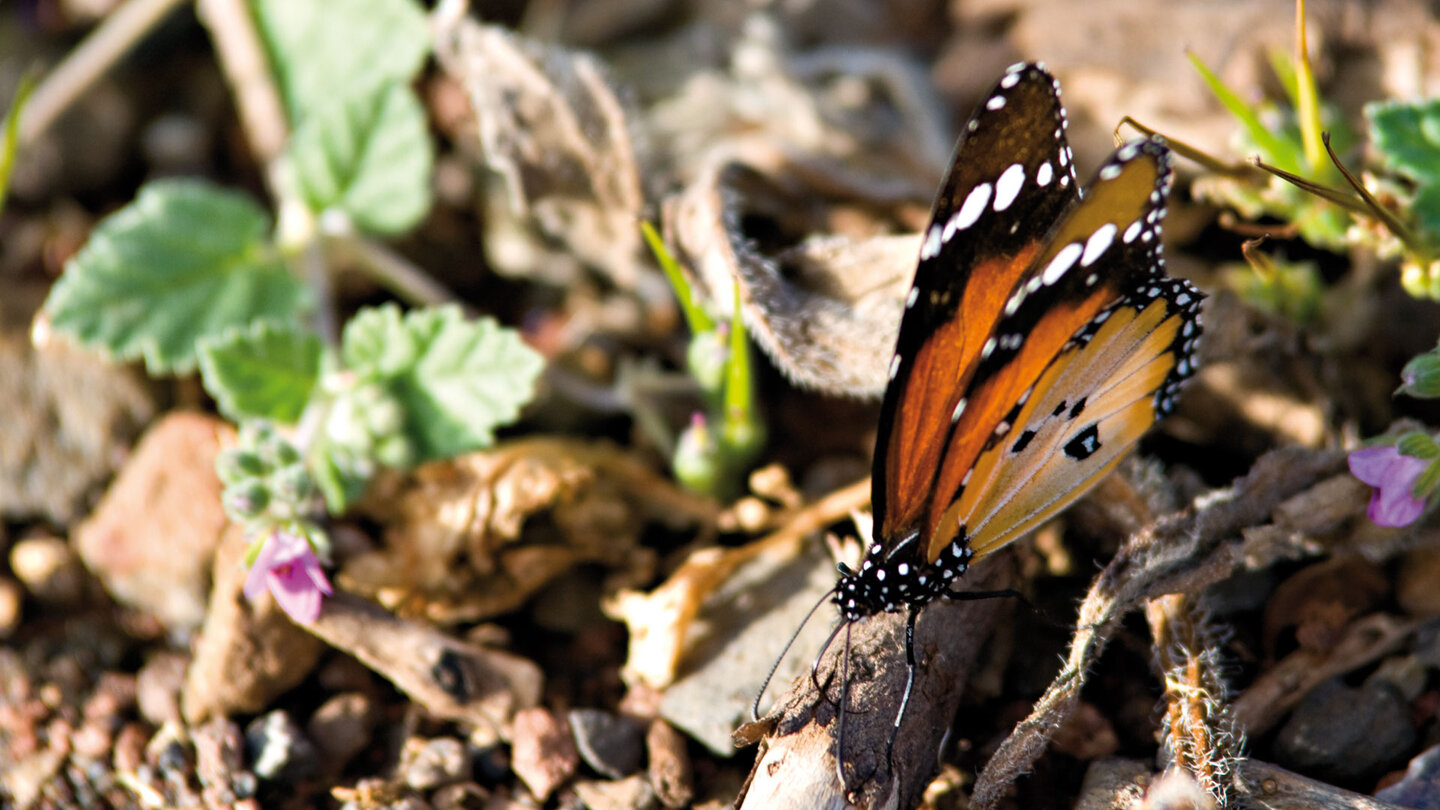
x: 49, y: 570
x: 1340, y: 734
x: 460, y: 796
x: 543, y: 753
x: 634, y: 793
x: 1419, y: 788
x: 426, y: 764
x: 341, y: 728
x: 670, y: 771
x: 157, y: 687
x: 611, y: 744
x: 278, y: 749
x: 12, y: 602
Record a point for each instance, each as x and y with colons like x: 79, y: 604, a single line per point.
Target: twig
x: 393, y: 271
x: 120, y: 32
x: 242, y: 58
x: 1178, y: 554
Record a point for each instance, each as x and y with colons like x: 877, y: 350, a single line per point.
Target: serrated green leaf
x: 1425, y: 210
x: 264, y: 372
x: 325, y: 50
x: 1408, y: 136
x: 186, y: 260
x: 369, y: 156
x: 458, y: 380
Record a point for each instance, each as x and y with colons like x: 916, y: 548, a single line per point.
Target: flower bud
x: 1421, y: 376
x: 236, y: 465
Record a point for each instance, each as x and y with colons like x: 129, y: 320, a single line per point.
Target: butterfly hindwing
x: 1089, y: 351
x: 1011, y: 170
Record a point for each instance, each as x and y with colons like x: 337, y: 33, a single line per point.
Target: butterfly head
x: 887, y: 582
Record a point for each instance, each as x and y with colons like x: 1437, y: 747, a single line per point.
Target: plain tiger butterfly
x: 1040, y: 340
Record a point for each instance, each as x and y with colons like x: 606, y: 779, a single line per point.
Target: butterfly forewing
x: 1011, y: 170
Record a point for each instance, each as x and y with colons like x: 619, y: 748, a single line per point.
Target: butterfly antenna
x: 815, y: 665
x: 840, y: 724
x: 755, y: 707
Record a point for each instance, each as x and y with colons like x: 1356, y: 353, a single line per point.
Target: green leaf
x: 1425, y: 210
x: 1417, y: 444
x: 695, y: 315
x: 458, y: 380
x: 1408, y: 136
x: 264, y: 372
x: 11, y: 142
x: 369, y: 156
x: 1275, y: 149
x: 184, y: 261
x: 322, y: 50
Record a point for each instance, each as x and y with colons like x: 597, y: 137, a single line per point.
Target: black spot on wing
x: 1085, y: 443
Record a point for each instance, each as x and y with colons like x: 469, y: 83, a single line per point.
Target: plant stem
x: 110, y: 41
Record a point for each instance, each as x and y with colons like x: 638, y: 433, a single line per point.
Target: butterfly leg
x: 910, y: 615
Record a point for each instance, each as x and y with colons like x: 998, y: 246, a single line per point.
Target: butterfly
x: 1040, y: 340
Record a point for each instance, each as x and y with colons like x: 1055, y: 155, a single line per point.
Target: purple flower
x: 287, y: 567
x: 1392, y: 474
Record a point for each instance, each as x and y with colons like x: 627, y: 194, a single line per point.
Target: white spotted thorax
x: 886, y: 584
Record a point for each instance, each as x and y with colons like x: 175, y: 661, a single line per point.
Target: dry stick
x: 120, y: 32
x: 1177, y: 554
x: 247, y: 69
x: 1199, y: 736
x: 797, y: 769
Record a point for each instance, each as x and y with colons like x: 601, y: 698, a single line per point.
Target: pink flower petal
x: 1393, y: 475
x: 286, y: 565
x: 295, y: 594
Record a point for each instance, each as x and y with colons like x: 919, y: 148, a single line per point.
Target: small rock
x: 609, y: 743
x: 426, y: 764
x: 1407, y: 673
x: 220, y: 763
x: 278, y: 749
x: 1341, y: 734
x: 634, y: 793
x: 48, y: 568
x: 670, y: 773
x: 543, y: 752
x: 1419, y: 788
x: 460, y: 796
x: 157, y: 687
x: 129, y: 748
x: 341, y: 728
x: 167, y: 489
x: 12, y: 601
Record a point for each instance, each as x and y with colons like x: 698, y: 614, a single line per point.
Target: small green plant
x: 191, y: 275
x: 715, y: 450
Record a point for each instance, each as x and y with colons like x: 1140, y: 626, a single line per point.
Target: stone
x: 152, y: 540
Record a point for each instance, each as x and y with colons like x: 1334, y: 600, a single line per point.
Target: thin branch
x: 105, y: 46
x: 247, y: 69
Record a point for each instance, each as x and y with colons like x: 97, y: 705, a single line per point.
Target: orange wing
x: 1011, y: 171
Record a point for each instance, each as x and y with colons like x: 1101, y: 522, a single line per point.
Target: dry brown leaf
x: 556, y: 133
x: 821, y: 317
x: 461, y: 543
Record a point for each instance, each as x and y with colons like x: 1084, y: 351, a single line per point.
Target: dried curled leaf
x: 556, y: 133
x: 461, y: 543
x: 818, y: 308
